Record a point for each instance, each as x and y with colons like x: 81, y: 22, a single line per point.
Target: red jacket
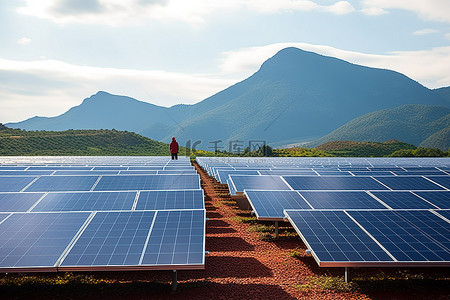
x: 173, y: 147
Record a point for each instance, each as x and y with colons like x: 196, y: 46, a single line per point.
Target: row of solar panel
x: 74, y: 241
x: 98, y: 183
x: 97, y: 168
x: 269, y: 205
x: 375, y: 238
x: 101, y: 201
x: 240, y: 183
x: 222, y: 175
x: 97, y: 172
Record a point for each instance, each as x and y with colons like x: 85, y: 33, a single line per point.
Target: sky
x: 55, y: 53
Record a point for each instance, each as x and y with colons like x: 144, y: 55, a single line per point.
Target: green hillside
x: 363, y: 149
x: 444, y: 92
x: 411, y: 123
x: 78, y: 142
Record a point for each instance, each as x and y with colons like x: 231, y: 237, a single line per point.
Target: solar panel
x: 14, y: 184
x: 36, y: 240
x: 95, y: 172
x: 410, y: 236
x: 28, y: 173
x: 335, y: 240
x: 441, y: 180
x: 176, y: 239
x: 371, y: 173
x: 111, y: 239
x: 341, y: 200
x: 408, y: 183
x: 73, y: 168
x: 402, y: 200
x: 12, y: 168
x: 3, y: 216
x: 263, y: 182
x: 62, y: 183
x: 441, y: 199
x: 333, y: 173
x: 113, y: 168
x: 15, y: 202
x: 86, y: 201
x: 333, y: 183
x: 289, y: 172
x: 148, y: 182
x: 139, y: 172
x: 270, y: 205
x: 161, y: 200
x: 222, y: 175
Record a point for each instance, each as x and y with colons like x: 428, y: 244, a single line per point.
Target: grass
x: 324, y: 282
x: 247, y: 220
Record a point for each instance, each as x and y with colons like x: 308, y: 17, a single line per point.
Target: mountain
x: 412, y: 123
x: 295, y: 96
x: 444, y: 92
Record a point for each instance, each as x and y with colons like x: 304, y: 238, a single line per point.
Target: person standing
x: 174, y: 148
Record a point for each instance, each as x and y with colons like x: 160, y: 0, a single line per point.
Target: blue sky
x: 55, y: 53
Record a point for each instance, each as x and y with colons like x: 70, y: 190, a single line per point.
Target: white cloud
x: 24, y: 41
x: 115, y: 12
x: 50, y: 87
x: 434, y: 10
x: 374, y: 11
x: 425, y: 31
x: 447, y: 36
x: 430, y: 67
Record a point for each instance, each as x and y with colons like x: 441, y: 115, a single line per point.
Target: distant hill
x: 78, y: 142
x: 444, y: 92
x: 412, y: 124
x: 295, y: 96
x: 363, y: 149
x: 440, y: 139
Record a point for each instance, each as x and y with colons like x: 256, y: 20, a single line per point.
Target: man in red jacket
x: 174, y: 148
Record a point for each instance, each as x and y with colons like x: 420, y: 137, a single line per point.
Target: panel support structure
x: 174, y: 280
x: 347, y: 274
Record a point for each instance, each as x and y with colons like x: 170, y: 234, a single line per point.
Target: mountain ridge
x: 295, y: 95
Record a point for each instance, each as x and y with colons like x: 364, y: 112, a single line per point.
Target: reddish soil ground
x: 242, y: 265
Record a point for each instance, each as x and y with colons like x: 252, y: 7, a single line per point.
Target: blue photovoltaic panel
x: 28, y: 173
x: 271, y: 204
x: 95, y: 172
x: 177, y: 238
x: 420, y: 173
x: 87, y: 201
x: 15, y: 202
x: 372, y: 173
x: 333, y: 183
x: 12, y: 168
x: 14, y: 184
x: 62, y: 183
x: 441, y: 199
x: 148, y: 182
x: 37, y: 240
x: 137, y: 172
x: 408, y: 183
x: 111, y: 239
x: 342, y: 200
x: 333, y: 237
x: 161, y: 200
x: 113, y: 168
x: 223, y: 174
x: 410, y: 236
x: 148, y: 168
x: 402, y: 200
x: 179, y: 168
x: 442, y: 180
x: 175, y: 172
x: 289, y: 172
x: 73, y: 168
x: 263, y: 182
x: 333, y: 173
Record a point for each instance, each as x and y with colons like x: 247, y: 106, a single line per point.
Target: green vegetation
x: 420, y: 152
x: 78, y: 142
x: 363, y: 149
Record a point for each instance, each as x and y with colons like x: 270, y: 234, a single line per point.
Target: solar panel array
x: 351, y: 212
x: 84, y: 213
